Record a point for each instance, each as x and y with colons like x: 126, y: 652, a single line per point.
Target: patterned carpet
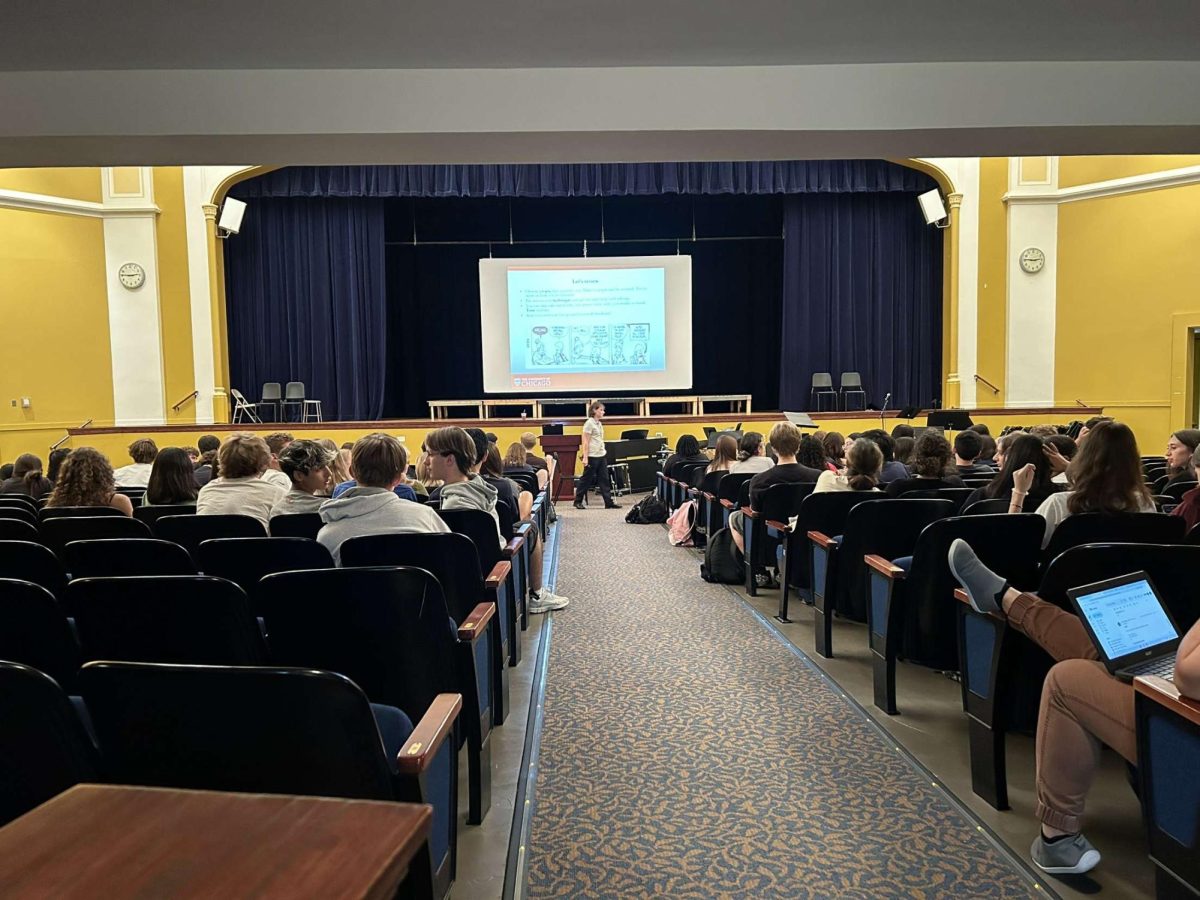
x: 686, y: 752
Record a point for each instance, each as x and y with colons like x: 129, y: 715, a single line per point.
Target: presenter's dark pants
x: 595, y: 475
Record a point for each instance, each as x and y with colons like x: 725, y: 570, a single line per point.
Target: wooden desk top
x: 1165, y: 693
x: 117, y: 842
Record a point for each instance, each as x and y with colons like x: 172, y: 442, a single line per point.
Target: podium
x: 566, y: 448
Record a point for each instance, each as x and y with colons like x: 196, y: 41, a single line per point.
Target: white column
x: 1031, y: 297
x: 135, y: 327
x: 195, y: 195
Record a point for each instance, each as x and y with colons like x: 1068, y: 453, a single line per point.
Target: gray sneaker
x: 1070, y: 856
x: 545, y: 602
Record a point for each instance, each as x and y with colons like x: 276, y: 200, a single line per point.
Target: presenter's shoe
x: 612, y: 506
x: 544, y: 601
x: 579, y: 504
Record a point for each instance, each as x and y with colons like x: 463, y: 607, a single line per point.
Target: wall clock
x: 132, y: 276
x: 1032, y: 260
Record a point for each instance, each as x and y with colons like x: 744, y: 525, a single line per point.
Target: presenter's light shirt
x: 593, y: 432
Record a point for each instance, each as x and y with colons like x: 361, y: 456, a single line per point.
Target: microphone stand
x: 883, y: 410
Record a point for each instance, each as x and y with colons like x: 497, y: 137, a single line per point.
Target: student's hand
x: 1023, y: 478
x: 1057, y: 461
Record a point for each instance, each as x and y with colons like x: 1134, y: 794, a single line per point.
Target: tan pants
x: 1082, y: 707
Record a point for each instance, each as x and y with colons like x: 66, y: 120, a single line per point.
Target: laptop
x: 1130, y: 626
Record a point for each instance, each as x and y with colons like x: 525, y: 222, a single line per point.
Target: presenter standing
x: 593, y: 456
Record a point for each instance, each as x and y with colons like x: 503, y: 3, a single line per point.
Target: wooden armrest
x: 728, y: 504
x: 513, y: 547
x: 961, y: 596
x: 708, y: 496
x: 497, y: 576
x: 476, y: 621
x: 427, y: 737
x: 749, y: 512
x: 821, y: 540
x: 884, y: 567
x: 779, y: 526
x: 1166, y: 694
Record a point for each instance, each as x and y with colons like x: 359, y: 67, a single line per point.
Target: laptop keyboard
x: 1164, y: 668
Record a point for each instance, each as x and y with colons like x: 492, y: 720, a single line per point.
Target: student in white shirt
x: 593, y: 455
x: 241, y: 490
x: 752, y: 455
x: 276, y: 443
x: 142, y: 452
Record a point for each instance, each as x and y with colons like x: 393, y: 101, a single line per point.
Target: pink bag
x: 681, y: 523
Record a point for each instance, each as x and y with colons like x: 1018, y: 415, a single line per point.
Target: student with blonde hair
x: 240, y: 488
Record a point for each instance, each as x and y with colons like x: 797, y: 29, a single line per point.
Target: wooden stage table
x: 119, y: 842
x: 693, y: 403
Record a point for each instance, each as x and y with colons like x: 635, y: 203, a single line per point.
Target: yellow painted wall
x: 1126, y: 265
x: 54, y: 303
x: 77, y: 184
x: 992, y: 321
x: 174, y: 294
x: 1076, y: 170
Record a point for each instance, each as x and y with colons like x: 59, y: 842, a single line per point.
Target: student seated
x: 424, y: 469
x: 687, y: 449
x: 491, y: 469
x: 171, y: 479
x: 864, y: 463
x: 517, y: 460
x: 904, y: 449
x: 86, y: 479
x: 529, y: 442
x: 1060, y: 450
x: 967, y: 447
x: 1181, y: 465
x: 137, y: 474
x: 987, y: 455
x: 812, y: 454
x: 371, y: 506
x: 892, y: 469
x: 930, y: 465
x: 240, y: 489
x: 27, y: 478
x: 752, y: 454
x: 903, y: 431
x: 1105, y: 476
x: 57, y: 458
x: 206, y: 465
x: 1022, y: 449
x: 785, y: 438
x: 981, y: 430
x: 1083, y: 707
x: 725, y: 454
x: 275, y: 443
x: 835, y: 449
x: 402, y: 489
x: 306, y: 463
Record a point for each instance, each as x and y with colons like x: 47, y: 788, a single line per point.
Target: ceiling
x: 318, y: 34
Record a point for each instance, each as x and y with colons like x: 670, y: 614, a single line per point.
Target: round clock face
x: 132, y: 276
x: 1032, y: 260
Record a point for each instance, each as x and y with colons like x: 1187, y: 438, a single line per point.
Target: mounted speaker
x: 932, y: 207
x: 231, y: 216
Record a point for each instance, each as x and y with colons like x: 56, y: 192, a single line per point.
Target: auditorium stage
x: 113, y: 440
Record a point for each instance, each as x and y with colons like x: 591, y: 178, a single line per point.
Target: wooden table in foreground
x: 117, y: 842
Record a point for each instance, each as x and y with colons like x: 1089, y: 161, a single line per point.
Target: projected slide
x: 586, y: 320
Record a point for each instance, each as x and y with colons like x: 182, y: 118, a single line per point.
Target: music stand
x: 950, y: 419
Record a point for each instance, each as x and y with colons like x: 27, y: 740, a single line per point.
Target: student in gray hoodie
x: 376, y: 463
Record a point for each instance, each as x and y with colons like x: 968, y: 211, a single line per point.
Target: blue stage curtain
x: 862, y: 292
x: 307, y: 302
x: 589, y: 179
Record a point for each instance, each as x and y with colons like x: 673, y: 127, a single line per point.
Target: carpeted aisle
x: 686, y: 752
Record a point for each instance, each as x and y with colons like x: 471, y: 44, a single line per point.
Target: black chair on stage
x: 122, y: 557
x: 1003, y: 671
x: 912, y: 614
x: 16, y: 530
x: 824, y: 513
x: 57, y: 512
x: 389, y: 630
x: 1122, y: 528
x: 170, y: 619
x: 851, y: 383
x: 57, y: 533
x: 452, y: 560
x: 151, y: 514
x: 822, y: 386
x: 765, y: 528
x: 246, y: 561
x: 296, y: 525
x: 34, y: 632
x: 190, y: 531
x: 28, y: 561
x: 887, y: 528
x: 44, y: 748
x: 277, y: 731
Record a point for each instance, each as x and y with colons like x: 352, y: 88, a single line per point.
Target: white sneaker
x: 545, y: 601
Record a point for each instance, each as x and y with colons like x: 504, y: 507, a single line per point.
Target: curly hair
x: 931, y: 455
x: 85, y: 479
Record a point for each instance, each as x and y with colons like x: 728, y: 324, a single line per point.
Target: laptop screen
x: 1127, y: 618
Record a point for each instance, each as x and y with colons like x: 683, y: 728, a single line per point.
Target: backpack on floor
x: 647, y: 511
x: 722, y: 560
x: 682, y: 524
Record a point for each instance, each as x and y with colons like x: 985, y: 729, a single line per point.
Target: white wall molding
x: 67, y: 206
x: 1134, y: 184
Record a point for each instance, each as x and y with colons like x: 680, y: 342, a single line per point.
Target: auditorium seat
x: 57, y: 533
x: 277, y: 731
x: 17, y: 530
x: 56, y: 512
x: 246, y: 561
x: 765, y: 527
x: 19, y: 500
x: 957, y: 496
x: 20, y: 513
x: 35, y: 632
x: 297, y: 525
x: 151, y: 514
x: 987, y: 507
x: 1177, y: 490
x: 1123, y: 528
x: 452, y: 560
x: 29, y: 561
x: 824, y: 513
x: 189, y: 531
x: 911, y: 611
x: 730, y: 493
x: 118, y: 557
x: 887, y: 528
x: 708, y: 509
x: 171, y: 618
x: 44, y: 748
x: 387, y: 629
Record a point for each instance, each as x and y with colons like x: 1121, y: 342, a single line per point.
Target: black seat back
x: 172, y: 619
x: 888, y: 528
x: 120, y: 557
x: 151, y: 514
x: 245, y: 561
x: 23, y: 514
x: 16, y: 530
x: 731, y: 485
x: 990, y: 507
x: 481, y: 529
x: 34, y: 631
x: 298, y: 525
x: 825, y: 512
x: 387, y: 629
x: 19, y: 501
x: 780, y: 502
x: 189, y: 531
x: 527, y: 481
x: 1121, y: 528
x: 1177, y: 490
x: 262, y: 730
x: 43, y: 747
x: 450, y: 558
x: 689, y: 473
x: 711, y: 482
x: 57, y: 533
x: 27, y: 561
x: 957, y: 496
x: 58, y: 512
